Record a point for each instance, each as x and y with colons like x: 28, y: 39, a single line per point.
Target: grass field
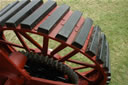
x: 112, y: 17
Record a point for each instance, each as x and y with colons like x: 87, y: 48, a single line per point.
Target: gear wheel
x: 49, y: 68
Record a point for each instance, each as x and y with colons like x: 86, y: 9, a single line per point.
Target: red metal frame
x: 13, y: 73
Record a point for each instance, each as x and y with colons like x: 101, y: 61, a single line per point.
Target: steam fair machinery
x: 86, y: 62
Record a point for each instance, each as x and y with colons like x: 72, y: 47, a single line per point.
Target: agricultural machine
x: 87, y: 63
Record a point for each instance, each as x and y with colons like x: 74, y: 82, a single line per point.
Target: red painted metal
x: 45, y: 46
x: 59, y: 48
x: 31, y: 40
x: 69, y: 55
x: 22, y: 41
x: 19, y: 60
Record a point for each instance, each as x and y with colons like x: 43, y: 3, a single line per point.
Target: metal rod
x: 22, y: 41
x: 81, y: 63
x: 69, y: 55
x: 31, y: 40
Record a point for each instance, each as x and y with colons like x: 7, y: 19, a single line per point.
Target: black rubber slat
x: 4, y: 8
x: 8, y: 7
x: 109, y: 78
x: 38, y: 15
x: 66, y: 30
x: 47, y: 25
x: 23, y: 13
x: 83, y: 33
x: 13, y: 11
x: 107, y: 82
x: 107, y: 60
x: 102, y: 51
x: 94, y: 43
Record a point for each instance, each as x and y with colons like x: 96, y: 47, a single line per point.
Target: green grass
x: 112, y: 17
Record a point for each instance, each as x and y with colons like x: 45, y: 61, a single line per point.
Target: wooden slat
x: 83, y: 33
x: 109, y: 78
x: 38, y: 15
x: 68, y: 27
x: 8, y: 7
x: 101, y: 57
x: 47, y: 26
x: 107, y: 64
x: 94, y: 43
x: 23, y: 13
x: 13, y: 11
x: 4, y: 8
